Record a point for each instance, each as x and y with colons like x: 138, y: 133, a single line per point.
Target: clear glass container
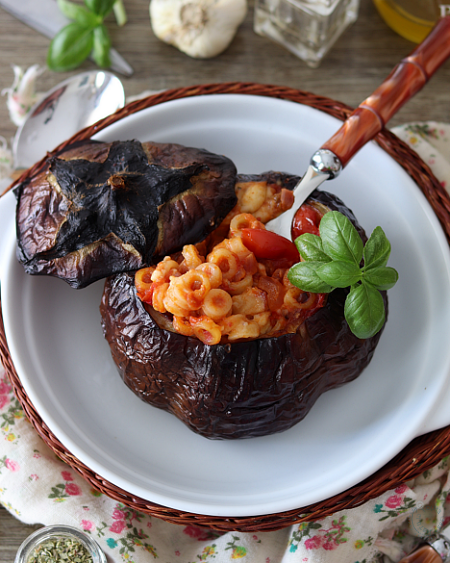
x: 412, y: 19
x: 307, y: 28
x: 31, y: 545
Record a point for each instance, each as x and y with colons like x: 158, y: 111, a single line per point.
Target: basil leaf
x: 102, y: 45
x: 79, y: 13
x: 364, y: 310
x: 333, y: 260
x: 310, y: 248
x: 304, y: 276
x: 377, y: 250
x: 339, y: 274
x: 382, y: 278
x: 70, y: 47
x: 340, y: 239
x: 100, y: 7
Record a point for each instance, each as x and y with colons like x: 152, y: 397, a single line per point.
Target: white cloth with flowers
x: 37, y: 487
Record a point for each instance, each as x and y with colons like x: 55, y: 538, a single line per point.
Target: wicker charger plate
x: 421, y: 454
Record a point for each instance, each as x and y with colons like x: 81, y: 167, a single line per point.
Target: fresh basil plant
x: 333, y: 260
x: 87, y: 34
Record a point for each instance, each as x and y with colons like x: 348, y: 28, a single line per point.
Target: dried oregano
x: 60, y: 550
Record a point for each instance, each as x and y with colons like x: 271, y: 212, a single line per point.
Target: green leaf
x: 304, y: 276
x: 310, y: 248
x: 340, y: 239
x: 382, y: 278
x: 339, y: 274
x: 102, y: 45
x: 333, y: 260
x: 100, y: 7
x: 79, y: 13
x: 70, y: 47
x: 377, y: 250
x: 364, y: 310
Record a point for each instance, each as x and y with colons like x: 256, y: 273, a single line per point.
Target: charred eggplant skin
x: 240, y: 390
x: 96, y: 209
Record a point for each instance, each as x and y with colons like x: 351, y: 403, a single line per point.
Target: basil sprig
x: 86, y: 36
x: 333, y: 259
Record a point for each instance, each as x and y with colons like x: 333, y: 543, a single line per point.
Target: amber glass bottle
x: 412, y: 19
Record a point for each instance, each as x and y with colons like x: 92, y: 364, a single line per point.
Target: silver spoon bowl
x: 70, y: 106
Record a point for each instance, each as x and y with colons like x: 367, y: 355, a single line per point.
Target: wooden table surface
x: 356, y: 65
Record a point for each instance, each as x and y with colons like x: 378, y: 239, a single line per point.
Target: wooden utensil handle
x: 407, y: 78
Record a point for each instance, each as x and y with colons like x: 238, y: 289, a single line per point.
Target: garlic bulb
x: 200, y: 28
x: 22, y: 95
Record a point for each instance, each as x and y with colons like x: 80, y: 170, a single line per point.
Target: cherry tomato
x: 306, y: 220
x: 269, y: 246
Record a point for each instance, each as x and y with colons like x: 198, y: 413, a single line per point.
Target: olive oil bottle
x: 412, y: 19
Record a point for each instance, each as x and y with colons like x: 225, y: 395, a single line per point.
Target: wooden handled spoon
x: 369, y: 118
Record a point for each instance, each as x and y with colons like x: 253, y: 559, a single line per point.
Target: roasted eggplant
x: 96, y: 209
x: 99, y: 210
x: 234, y: 390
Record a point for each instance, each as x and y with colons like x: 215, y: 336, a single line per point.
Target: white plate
x: 57, y: 346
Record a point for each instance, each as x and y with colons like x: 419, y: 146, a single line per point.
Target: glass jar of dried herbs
x: 59, y: 544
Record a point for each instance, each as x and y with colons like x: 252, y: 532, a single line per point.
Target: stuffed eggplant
x: 200, y: 324
x: 100, y: 208
x: 256, y: 376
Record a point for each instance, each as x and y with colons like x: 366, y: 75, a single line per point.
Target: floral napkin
x: 37, y: 487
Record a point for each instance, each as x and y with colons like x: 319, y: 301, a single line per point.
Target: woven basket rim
x: 422, y: 453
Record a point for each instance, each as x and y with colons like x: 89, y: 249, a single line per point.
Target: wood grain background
x: 356, y: 65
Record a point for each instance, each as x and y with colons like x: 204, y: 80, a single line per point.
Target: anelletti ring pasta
x: 244, y: 285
